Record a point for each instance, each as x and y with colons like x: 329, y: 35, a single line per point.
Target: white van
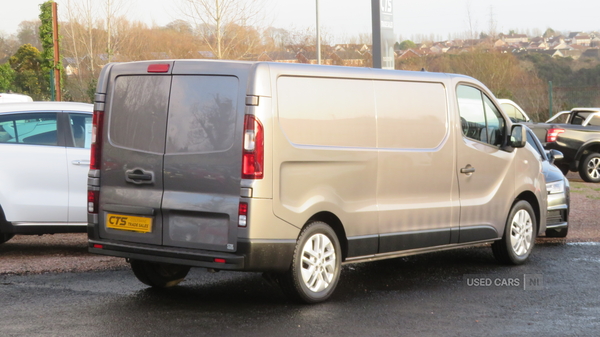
x: 12, y: 98
x: 295, y: 169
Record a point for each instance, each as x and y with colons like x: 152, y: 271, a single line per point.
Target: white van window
x: 139, y: 112
x: 202, y: 114
x: 410, y: 115
x: 480, y: 119
x: 327, y: 112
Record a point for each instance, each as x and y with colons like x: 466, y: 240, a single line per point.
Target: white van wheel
x: 519, y: 235
x: 316, y: 265
x: 161, y: 275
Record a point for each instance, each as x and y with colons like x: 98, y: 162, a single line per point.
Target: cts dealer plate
x: 129, y: 223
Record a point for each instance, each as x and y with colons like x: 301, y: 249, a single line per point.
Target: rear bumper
x: 261, y: 255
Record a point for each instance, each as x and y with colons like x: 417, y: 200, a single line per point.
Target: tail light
x: 552, y: 134
x: 95, y: 158
x: 96, y: 149
x: 254, y: 148
x: 243, y: 215
x: 93, y: 197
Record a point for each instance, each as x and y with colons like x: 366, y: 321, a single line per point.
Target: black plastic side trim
x: 413, y: 240
x: 480, y: 233
x: 363, y: 245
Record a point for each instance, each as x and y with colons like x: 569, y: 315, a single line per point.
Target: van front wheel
x: 316, y: 265
x: 161, y: 275
x: 519, y: 235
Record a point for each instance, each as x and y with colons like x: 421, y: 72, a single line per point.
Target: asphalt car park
x: 73, y: 293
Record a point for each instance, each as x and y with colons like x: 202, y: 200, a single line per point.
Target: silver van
x: 294, y: 170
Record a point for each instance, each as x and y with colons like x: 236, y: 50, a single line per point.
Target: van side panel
x: 417, y: 191
x: 324, y: 152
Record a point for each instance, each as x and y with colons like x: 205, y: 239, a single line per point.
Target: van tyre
x: 589, y: 169
x: 519, y: 235
x: 316, y: 265
x: 161, y: 275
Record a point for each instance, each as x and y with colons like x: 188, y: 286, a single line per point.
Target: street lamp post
x: 318, y: 37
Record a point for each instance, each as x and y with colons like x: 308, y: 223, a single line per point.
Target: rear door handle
x: 80, y: 162
x: 467, y: 169
x: 138, y: 176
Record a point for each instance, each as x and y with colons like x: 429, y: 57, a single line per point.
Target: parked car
x: 44, y: 151
x: 557, y: 187
x: 13, y: 98
x: 576, y: 134
x: 294, y: 169
x: 513, y: 111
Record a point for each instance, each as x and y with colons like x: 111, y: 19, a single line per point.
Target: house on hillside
x: 515, y: 38
x: 582, y: 39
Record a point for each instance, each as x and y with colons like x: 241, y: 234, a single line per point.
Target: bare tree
x: 224, y: 25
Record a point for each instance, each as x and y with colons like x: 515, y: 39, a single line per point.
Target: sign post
x: 382, y: 16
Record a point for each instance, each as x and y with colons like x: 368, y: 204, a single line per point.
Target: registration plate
x: 129, y: 223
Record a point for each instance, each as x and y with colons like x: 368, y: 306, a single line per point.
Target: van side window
x: 480, y: 119
x: 34, y: 129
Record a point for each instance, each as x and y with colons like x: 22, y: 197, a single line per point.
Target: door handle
x: 80, y: 162
x: 467, y: 169
x: 138, y: 176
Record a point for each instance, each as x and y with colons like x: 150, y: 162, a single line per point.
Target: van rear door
x: 132, y: 154
x: 203, y: 157
x: 173, y: 155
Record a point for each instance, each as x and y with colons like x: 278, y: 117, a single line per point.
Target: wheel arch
x: 531, y: 198
x: 585, y: 149
x: 336, y: 224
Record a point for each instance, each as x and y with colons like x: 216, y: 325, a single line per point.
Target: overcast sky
x: 340, y: 19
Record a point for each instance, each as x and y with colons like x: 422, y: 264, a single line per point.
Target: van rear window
x: 138, y: 112
x: 202, y: 114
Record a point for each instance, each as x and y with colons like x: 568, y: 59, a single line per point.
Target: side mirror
x: 554, y: 155
x: 518, y: 136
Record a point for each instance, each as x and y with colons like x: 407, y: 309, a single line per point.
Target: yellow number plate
x: 129, y: 223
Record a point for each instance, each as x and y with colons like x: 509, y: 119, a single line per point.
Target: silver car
x: 557, y: 186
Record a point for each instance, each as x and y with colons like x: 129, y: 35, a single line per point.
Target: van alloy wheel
x: 519, y: 235
x: 316, y: 265
x: 318, y: 262
x: 521, y: 232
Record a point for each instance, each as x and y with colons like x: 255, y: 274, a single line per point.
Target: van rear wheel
x: 519, y: 235
x: 161, y: 275
x: 316, y: 265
